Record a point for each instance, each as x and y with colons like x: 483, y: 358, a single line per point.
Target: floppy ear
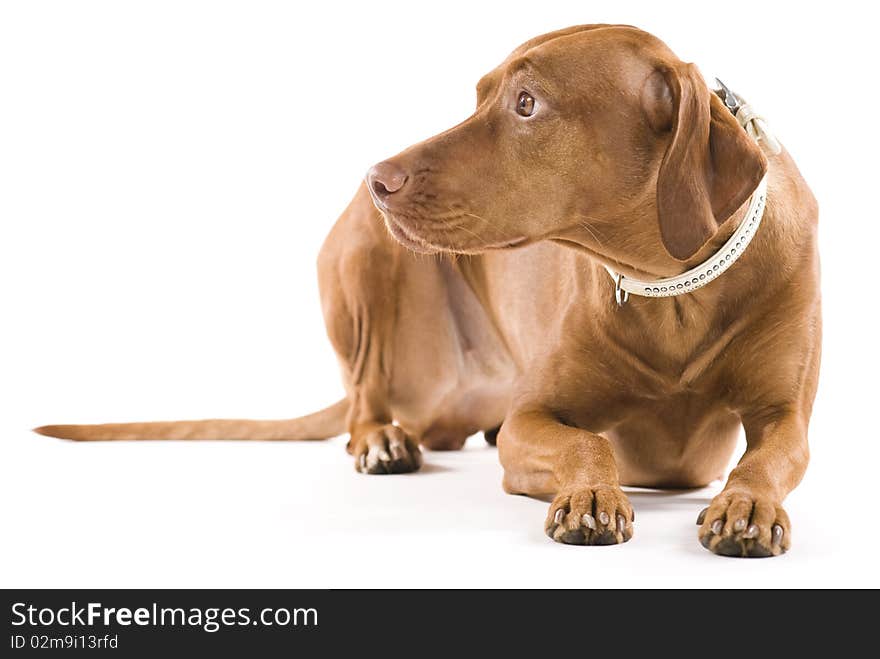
x: 711, y: 165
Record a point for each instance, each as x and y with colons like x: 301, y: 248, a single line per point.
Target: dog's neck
x: 648, y: 263
x: 679, y: 336
x: 724, y: 251
x: 784, y: 242
x: 723, y: 256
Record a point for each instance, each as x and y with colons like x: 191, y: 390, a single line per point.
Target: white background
x: 168, y: 171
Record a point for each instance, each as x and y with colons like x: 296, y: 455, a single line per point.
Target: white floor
x: 297, y: 515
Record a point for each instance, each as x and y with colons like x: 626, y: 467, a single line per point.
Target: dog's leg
x: 541, y: 456
x: 747, y: 518
x: 358, y: 270
x: 378, y: 446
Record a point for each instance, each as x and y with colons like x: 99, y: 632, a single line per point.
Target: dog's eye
x: 525, y: 104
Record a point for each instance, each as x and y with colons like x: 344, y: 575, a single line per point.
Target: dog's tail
x: 323, y: 424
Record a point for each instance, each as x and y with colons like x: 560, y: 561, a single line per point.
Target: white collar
x: 731, y: 250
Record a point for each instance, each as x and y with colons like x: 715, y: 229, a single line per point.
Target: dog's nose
x: 385, y: 179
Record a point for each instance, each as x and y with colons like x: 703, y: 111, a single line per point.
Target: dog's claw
x: 398, y: 452
x: 621, y: 523
x: 372, y: 458
x: 604, y: 519
x: 739, y: 525
x: 717, y: 525
x: 752, y: 532
x: 702, y: 516
x: 589, y: 521
x: 559, y: 515
x: 777, y: 535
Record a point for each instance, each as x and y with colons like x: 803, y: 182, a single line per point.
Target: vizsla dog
x: 592, y: 149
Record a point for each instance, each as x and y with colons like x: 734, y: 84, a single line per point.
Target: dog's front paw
x: 386, y: 450
x: 738, y: 523
x: 590, y: 516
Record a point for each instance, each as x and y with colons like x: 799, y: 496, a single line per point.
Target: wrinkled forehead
x: 603, y: 56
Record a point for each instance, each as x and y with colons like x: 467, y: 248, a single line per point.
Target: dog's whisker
x: 466, y: 229
x: 585, y: 224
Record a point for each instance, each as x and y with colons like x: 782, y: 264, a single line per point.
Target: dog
x: 466, y: 288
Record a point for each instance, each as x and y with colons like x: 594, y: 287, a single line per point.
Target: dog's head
x: 594, y: 134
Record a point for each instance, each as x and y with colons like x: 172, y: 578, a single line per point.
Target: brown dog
x: 589, y: 146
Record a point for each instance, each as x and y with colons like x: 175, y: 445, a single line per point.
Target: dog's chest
x: 674, y: 346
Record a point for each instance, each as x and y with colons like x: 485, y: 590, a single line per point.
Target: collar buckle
x: 620, y: 295
x: 731, y: 101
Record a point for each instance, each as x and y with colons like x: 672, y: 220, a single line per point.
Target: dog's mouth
x: 408, y: 238
x: 444, y: 235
